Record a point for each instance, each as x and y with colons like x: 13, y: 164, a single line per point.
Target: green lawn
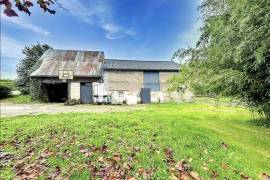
x: 8, y: 83
x: 18, y: 99
x: 219, y: 142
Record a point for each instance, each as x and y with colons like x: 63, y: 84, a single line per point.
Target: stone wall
x: 163, y: 79
x: 131, y: 81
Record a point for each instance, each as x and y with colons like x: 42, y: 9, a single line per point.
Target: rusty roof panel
x: 83, y: 63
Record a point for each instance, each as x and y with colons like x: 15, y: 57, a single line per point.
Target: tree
x: 27, y: 65
x: 4, y: 91
x: 232, y: 57
x: 25, y: 5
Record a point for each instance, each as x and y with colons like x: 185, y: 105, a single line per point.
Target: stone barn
x: 99, y: 80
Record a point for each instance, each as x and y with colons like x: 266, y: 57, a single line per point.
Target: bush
x: 4, y: 92
x: 38, y: 90
x: 28, y: 64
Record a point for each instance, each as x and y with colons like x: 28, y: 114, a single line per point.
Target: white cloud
x: 97, y: 13
x: 11, y: 52
x: 10, y: 47
x: 22, y: 23
x: 110, y: 28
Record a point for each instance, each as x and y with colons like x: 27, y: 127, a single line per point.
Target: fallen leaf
x: 66, y: 153
x: 117, y: 157
x: 18, y: 166
x: 84, y: 150
x: 56, y: 174
x: 29, y: 140
x: 127, y: 165
x: 103, y: 148
x: 29, y: 171
x: 46, y: 153
x: 136, y: 149
x: 224, y: 146
x: 130, y: 178
x: 169, y: 155
x: 148, y: 173
x: 183, y: 166
x: 265, y: 176
x: 172, y: 170
x: 194, y: 175
x: 94, y: 148
x: 100, y: 159
x: 141, y: 170
x: 224, y: 166
x: 30, y: 152
x: 214, y: 174
x: 172, y: 177
x: 244, y: 177
x: 185, y: 176
x: 5, y: 158
x: 87, y: 154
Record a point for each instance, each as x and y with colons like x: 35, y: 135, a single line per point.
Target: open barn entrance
x: 57, y: 92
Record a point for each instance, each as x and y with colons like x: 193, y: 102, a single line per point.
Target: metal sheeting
x: 114, y: 64
x: 151, y: 80
x: 83, y: 63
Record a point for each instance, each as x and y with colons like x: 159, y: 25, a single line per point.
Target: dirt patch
x: 34, y: 109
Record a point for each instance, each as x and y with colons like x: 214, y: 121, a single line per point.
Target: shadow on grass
x: 261, y: 122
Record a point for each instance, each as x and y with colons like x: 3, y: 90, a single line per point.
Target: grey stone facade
x: 132, y: 81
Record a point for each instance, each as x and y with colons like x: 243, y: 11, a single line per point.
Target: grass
x: 219, y: 101
x: 221, y: 142
x: 18, y: 99
x: 8, y: 83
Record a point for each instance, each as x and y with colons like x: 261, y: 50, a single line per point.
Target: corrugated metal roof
x: 114, y: 64
x: 83, y: 63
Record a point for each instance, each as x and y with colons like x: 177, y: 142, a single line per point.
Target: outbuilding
x: 87, y: 77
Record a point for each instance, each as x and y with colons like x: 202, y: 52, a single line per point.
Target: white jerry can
x: 132, y: 99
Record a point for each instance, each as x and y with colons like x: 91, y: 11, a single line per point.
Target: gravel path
x: 34, y: 109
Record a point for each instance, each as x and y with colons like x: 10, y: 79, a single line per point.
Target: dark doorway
x: 57, y: 92
x: 86, y: 93
x: 146, y: 95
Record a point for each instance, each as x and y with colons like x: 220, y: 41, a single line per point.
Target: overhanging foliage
x: 232, y: 57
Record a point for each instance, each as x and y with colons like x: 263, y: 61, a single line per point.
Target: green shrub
x: 4, y: 92
x: 38, y: 90
x: 28, y: 64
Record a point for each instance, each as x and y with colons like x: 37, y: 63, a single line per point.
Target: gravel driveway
x: 33, y: 109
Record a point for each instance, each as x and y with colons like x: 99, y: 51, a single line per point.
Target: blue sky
x: 123, y: 29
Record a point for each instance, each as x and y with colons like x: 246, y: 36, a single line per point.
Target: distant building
x: 96, y: 79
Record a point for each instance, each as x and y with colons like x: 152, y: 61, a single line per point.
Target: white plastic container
x: 132, y: 99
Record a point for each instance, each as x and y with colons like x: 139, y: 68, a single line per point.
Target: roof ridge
x: 138, y: 60
x: 75, y: 50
